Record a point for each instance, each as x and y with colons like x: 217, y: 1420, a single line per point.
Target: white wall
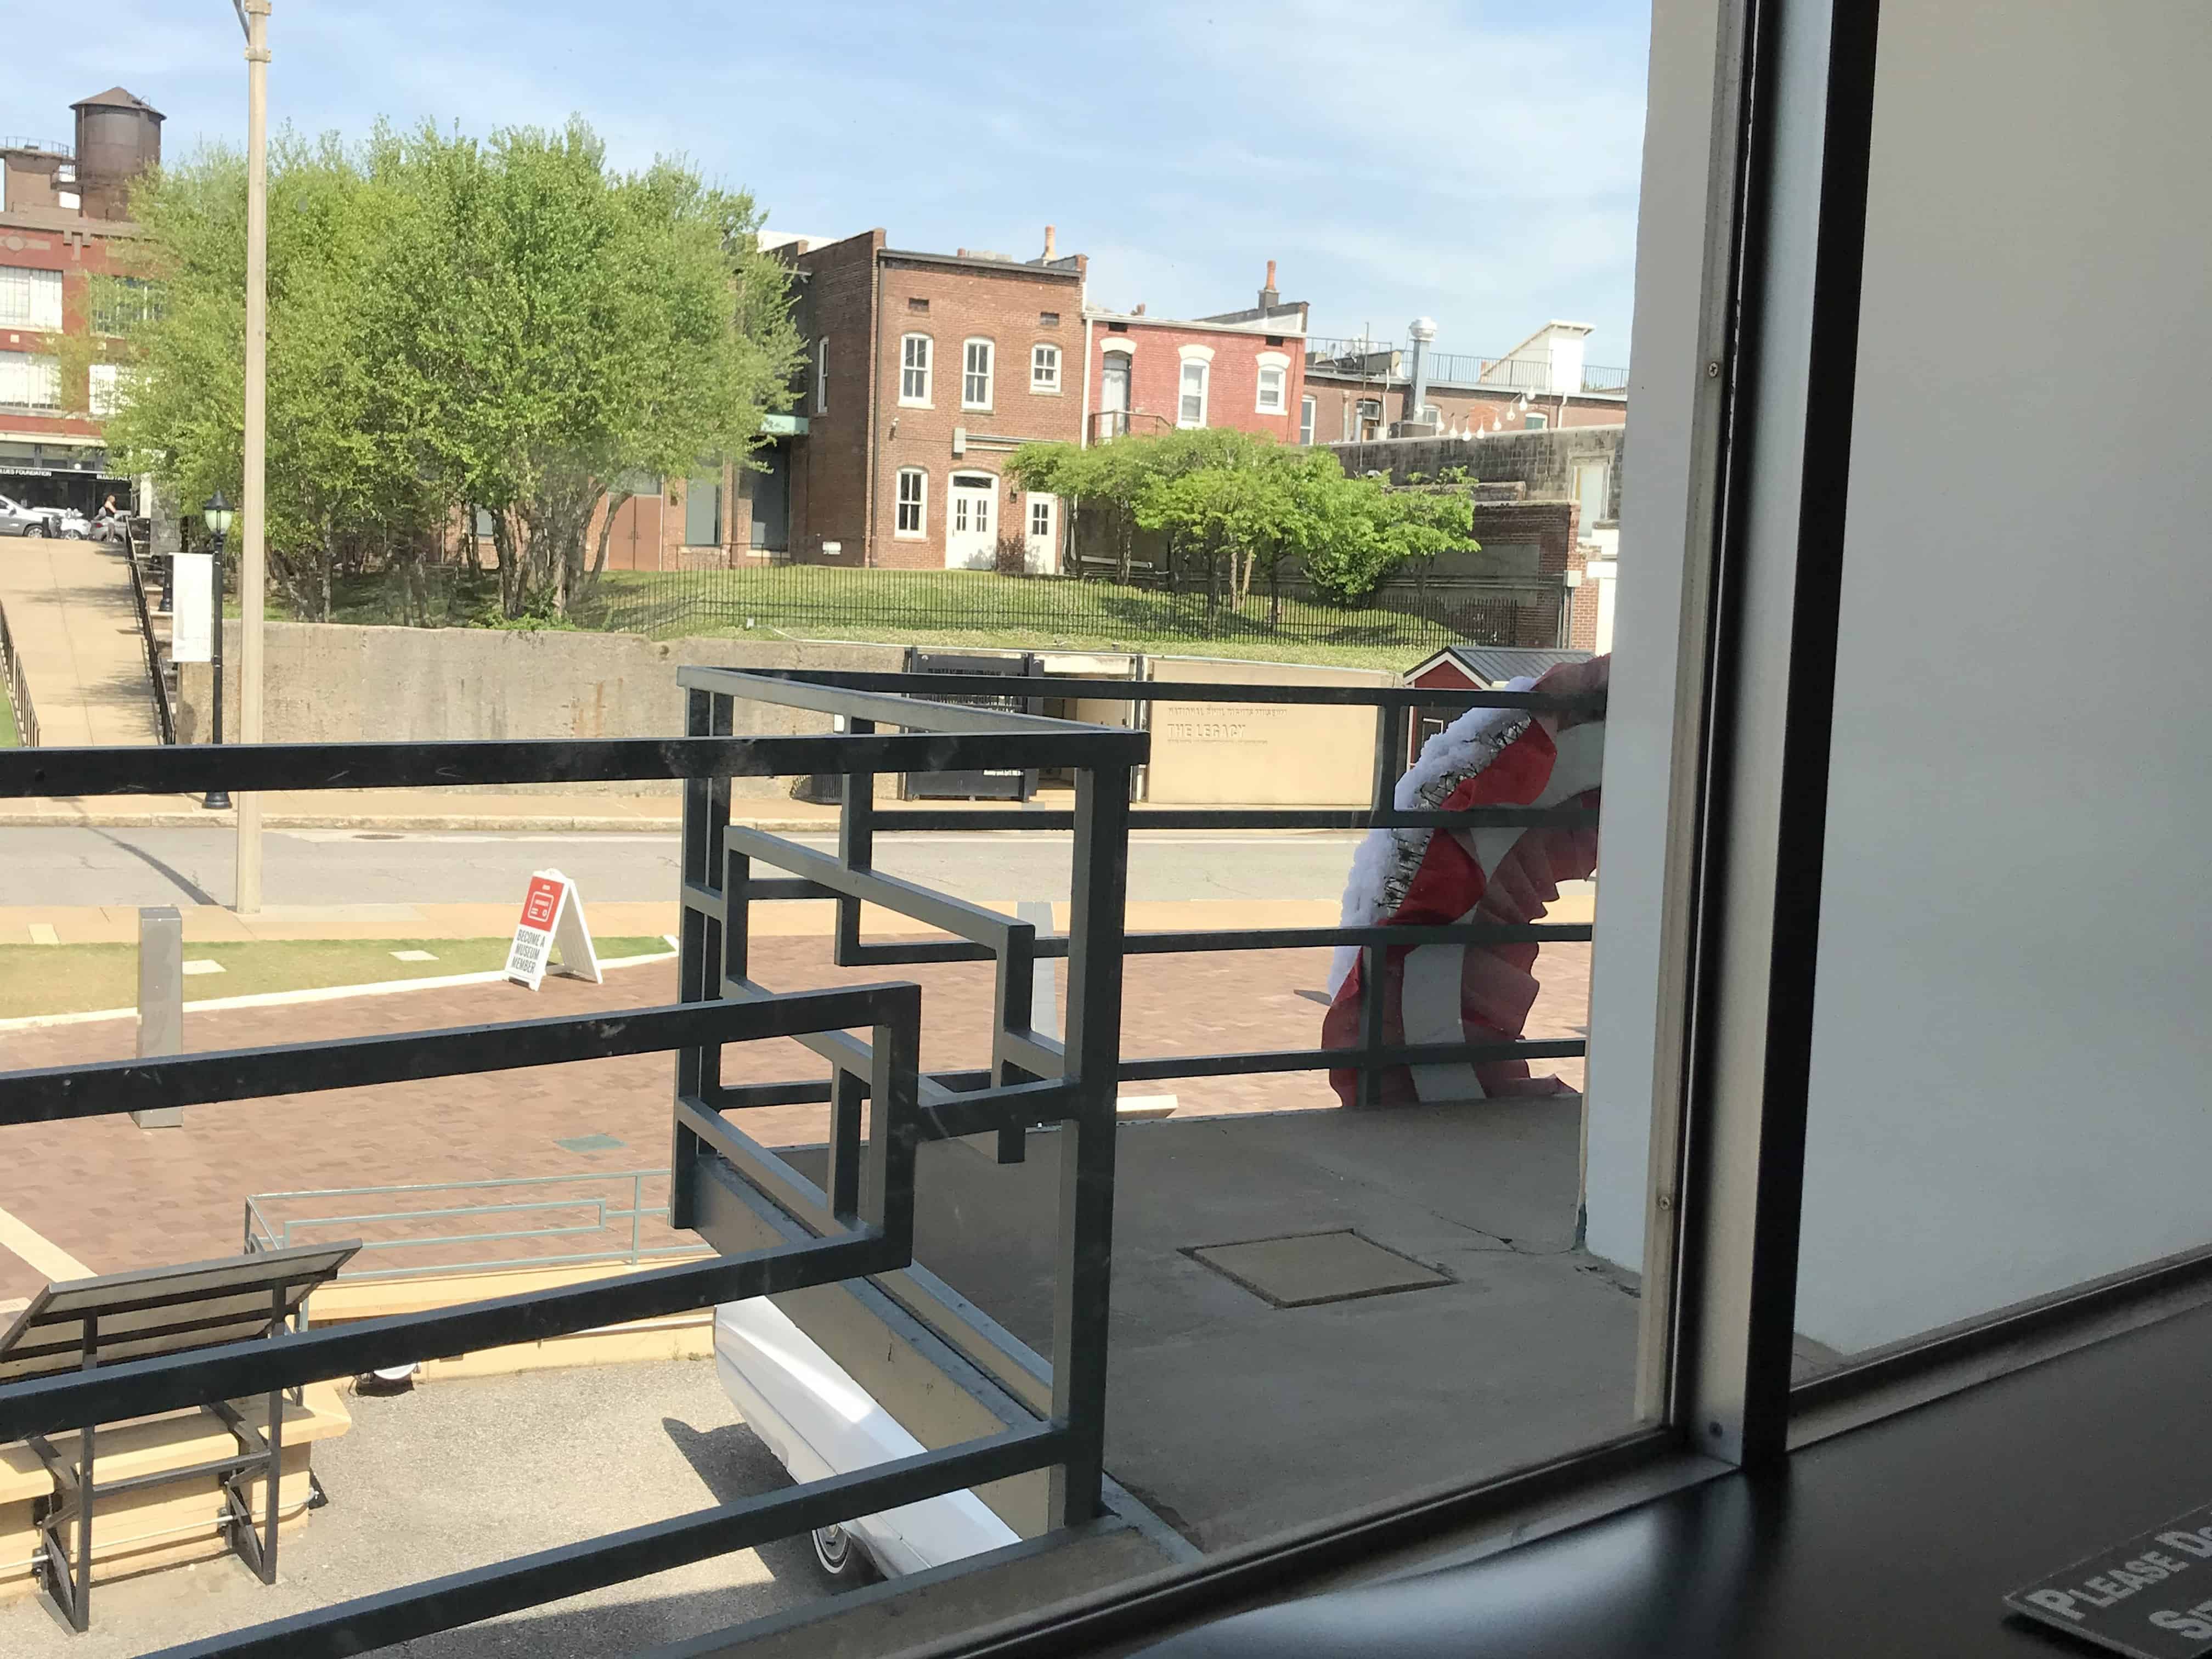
x: 2011, y: 1081
x: 2012, y: 1085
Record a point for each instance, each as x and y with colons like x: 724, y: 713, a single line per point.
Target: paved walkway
x: 70, y: 610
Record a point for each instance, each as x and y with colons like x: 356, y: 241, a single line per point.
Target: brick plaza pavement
x: 115, y: 1196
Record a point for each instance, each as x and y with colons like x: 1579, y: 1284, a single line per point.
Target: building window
x: 822, y: 375
x: 1593, y: 492
x: 702, y: 512
x: 920, y: 307
x: 103, y: 388
x: 30, y: 299
x: 1306, y: 418
x: 1044, y: 368
x: 1535, y: 422
x: 975, y: 375
x: 1048, y: 320
x: 1041, y: 517
x: 1275, y: 383
x: 120, y: 303
x: 1368, y: 419
x: 30, y: 382
x: 913, y: 501
x: 1191, y: 384
x: 914, y: 371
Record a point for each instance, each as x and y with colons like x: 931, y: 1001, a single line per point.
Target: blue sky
x: 1472, y: 162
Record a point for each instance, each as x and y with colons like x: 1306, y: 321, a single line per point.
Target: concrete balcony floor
x: 1234, y: 1418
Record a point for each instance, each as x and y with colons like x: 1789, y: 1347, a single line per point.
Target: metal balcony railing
x: 1110, y: 423
x: 1385, y: 360
x: 858, y: 1225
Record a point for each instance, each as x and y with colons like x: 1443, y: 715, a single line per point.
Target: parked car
x: 819, y: 1422
x: 68, y: 523
x: 16, y: 520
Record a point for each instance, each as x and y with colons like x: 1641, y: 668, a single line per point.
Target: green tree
x: 506, y: 324
x: 1252, y: 508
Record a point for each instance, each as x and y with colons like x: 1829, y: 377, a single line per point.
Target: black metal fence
x: 810, y: 601
x: 17, y: 689
x: 857, y: 1230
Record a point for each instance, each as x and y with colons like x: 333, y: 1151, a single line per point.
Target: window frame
x: 1187, y: 358
x: 1277, y: 363
x: 920, y: 505
x: 103, y: 389
x: 927, y: 369
x: 1308, y: 407
x: 40, y: 283
x: 1737, y: 291
x: 1044, y: 388
x: 822, y: 374
x: 988, y: 375
x: 39, y: 370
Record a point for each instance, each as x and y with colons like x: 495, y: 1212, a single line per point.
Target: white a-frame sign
x: 552, y: 919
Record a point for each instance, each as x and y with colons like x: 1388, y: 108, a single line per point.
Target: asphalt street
x: 73, y: 866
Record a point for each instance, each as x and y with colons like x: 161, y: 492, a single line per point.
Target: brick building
x: 1548, y: 515
x: 924, y: 372
x: 1244, y: 369
x: 1363, y: 390
x: 63, y: 214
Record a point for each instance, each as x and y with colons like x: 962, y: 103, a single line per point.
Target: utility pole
x: 253, y: 19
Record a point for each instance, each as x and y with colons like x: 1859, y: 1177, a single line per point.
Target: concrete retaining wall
x: 326, y: 682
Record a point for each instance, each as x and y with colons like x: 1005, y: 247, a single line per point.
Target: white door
x: 971, y: 541
x: 1041, y: 543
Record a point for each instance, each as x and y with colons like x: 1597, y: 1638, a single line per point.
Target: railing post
x: 1389, y: 766
x: 1082, y: 1298
x: 698, y: 955
x: 160, y: 1000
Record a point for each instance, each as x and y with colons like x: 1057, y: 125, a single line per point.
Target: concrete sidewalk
x: 71, y: 612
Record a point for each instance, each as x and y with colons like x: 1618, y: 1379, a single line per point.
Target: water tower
x: 118, y: 137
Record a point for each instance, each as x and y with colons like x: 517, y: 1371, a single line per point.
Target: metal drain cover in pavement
x: 589, y: 1144
x: 1306, y: 1268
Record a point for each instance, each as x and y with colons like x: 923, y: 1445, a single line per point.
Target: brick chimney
x: 1269, y: 298
x: 1047, y: 244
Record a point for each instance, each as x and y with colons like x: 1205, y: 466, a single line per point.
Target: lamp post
x: 253, y: 20
x: 218, y: 515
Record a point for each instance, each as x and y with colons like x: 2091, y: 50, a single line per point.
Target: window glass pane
x: 30, y: 298
x: 702, y: 512
x: 1325, y: 1294
x: 2010, y: 1043
x: 30, y: 381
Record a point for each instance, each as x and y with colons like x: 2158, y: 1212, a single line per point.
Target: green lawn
x: 9, y: 736
x: 57, y: 979
x: 951, y: 608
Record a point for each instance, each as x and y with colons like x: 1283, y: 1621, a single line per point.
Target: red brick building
x: 62, y: 215
x: 924, y: 372
x: 1244, y: 369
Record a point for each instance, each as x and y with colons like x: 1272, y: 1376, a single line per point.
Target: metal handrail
x: 19, y: 688
x: 264, y: 1231
x: 165, y: 717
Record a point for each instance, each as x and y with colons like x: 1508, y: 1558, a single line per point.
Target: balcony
x: 1050, y: 1292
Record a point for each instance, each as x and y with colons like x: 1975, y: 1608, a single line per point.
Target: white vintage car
x: 819, y: 1422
